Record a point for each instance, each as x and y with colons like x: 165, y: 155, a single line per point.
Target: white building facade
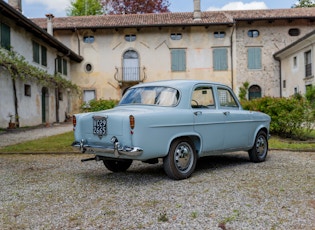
x: 26, y: 102
x: 297, y: 65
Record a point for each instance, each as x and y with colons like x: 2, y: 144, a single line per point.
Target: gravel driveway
x: 226, y: 192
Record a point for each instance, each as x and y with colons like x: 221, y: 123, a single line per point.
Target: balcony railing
x: 130, y: 74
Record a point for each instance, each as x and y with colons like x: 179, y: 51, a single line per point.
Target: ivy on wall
x: 19, y: 68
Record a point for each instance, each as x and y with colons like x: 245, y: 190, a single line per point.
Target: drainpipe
x: 78, y: 37
x: 280, y: 74
x: 231, y: 53
x: 197, y: 11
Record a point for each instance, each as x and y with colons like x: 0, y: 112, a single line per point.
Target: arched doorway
x: 45, y: 104
x: 131, y: 70
x: 254, y: 92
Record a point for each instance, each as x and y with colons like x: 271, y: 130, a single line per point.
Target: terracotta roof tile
x: 173, y: 19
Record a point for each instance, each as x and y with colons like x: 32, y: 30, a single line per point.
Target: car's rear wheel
x: 260, y: 149
x: 181, y: 160
x: 117, y: 166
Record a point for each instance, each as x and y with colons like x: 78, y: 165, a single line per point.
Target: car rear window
x: 162, y: 96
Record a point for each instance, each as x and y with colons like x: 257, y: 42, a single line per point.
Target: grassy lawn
x: 57, y: 143
x: 62, y: 142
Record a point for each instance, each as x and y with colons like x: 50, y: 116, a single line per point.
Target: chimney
x: 197, y: 11
x: 16, y: 4
x: 50, y: 24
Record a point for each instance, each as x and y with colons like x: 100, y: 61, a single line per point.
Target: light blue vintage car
x: 179, y: 121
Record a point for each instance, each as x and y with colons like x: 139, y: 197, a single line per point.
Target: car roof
x: 176, y: 83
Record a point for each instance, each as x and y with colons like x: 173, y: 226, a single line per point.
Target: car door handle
x: 226, y: 113
x: 198, y: 113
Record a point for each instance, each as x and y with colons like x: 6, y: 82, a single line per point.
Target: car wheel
x: 260, y: 149
x: 117, y: 166
x: 181, y: 159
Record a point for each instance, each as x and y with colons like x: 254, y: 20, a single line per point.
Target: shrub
x: 98, y: 105
x: 290, y: 117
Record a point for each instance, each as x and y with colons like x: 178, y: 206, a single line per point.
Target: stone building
x: 26, y: 102
x: 230, y: 47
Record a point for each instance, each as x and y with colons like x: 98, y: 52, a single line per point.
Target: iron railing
x: 130, y: 74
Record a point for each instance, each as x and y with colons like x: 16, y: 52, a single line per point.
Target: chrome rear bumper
x: 116, y: 150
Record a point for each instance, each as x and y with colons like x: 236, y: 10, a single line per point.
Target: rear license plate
x: 99, y: 125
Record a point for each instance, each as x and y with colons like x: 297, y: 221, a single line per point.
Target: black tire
x: 117, y: 166
x: 181, y: 159
x: 260, y: 149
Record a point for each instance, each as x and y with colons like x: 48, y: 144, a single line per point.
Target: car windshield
x: 162, y: 96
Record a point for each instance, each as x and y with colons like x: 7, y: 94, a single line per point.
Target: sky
x: 39, y: 8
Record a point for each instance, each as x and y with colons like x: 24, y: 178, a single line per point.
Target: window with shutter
x: 254, y: 58
x: 35, y: 52
x: 178, y: 59
x: 64, y: 67
x: 5, y: 37
x: 44, y: 55
x: 220, y: 59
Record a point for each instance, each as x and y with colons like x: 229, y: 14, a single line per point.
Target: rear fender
x: 196, y: 139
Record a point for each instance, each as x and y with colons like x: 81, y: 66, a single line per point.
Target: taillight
x: 74, y: 122
x: 132, y: 121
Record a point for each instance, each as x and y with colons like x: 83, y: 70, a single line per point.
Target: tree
x: 84, y: 7
x: 304, y: 3
x: 135, y: 6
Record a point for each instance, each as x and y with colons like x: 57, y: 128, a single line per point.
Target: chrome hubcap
x: 261, y: 146
x: 183, y: 157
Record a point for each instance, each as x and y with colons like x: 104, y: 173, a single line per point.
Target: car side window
x: 202, y: 97
x: 226, y: 98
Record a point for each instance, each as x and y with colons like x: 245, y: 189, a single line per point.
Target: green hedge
x: 290, y: 117
x: 98, y: 105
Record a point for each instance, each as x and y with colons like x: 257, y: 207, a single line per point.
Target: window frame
x: 27, y: 90
x: 88, y: 39
x: 198, y: 102
x: 39, y: 53
x: 176, y: 36
x: 253, y: 33
x: 219, y: 34
x: 61, y: 65
x: 130, y: 37
x: 294, y: 32
x: 235, y: 105
x: 308, y: 63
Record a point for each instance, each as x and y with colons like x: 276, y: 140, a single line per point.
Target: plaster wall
x: 153, y: 46
x: 29, y: 107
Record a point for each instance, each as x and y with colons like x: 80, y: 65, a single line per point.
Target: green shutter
x: 64, y: 67
x: 220, y: 59
x: 59, y: 64
x: 254, y: 58
x: 5, y: 37
x: 35, y: 52
x: 178, y: 59
x: 44, y: 56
